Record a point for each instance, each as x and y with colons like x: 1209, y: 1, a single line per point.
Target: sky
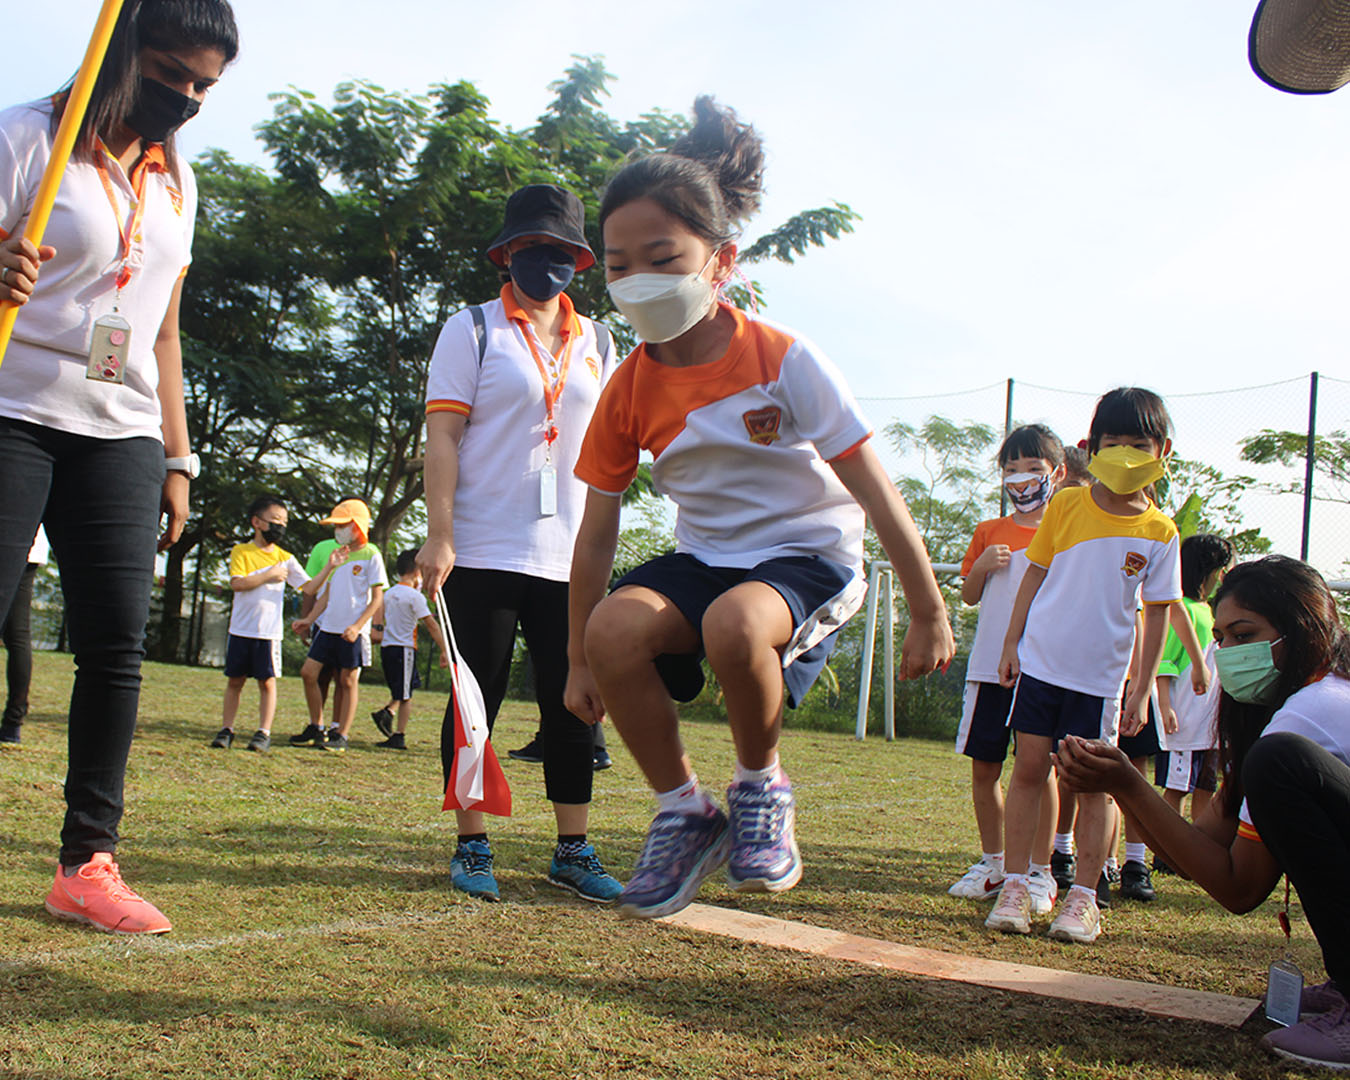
x: 1071, y: 195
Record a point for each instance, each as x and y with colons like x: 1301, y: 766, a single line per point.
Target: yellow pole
x: 64, y: 143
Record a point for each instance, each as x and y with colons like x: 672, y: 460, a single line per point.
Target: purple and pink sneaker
x: 681, y: 851
x: 764, y: 855
x: 1322, y: 1039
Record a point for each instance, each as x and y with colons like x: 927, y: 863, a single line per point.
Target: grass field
x: 315, y: 934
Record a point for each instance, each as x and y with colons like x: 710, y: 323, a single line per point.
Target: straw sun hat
x: 1301, y: 46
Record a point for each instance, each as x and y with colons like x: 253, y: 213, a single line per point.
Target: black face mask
x: 160, y: 111
x: 543, y: 271
x: 274, y: 534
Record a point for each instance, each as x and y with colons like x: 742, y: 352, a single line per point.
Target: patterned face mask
x: 1028, y: 491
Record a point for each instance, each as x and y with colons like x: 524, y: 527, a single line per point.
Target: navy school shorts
x: 821, y: 595
x: 984, y: 731
x: 1041, y: 708
x: 252, y: 658
x: 400, y: 671
x: 333, y: 650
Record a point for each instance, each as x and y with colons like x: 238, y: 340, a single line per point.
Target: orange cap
x: 351, y: 512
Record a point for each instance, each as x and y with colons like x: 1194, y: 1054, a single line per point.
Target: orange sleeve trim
x: 852, y: 449
x: 1247, y: 832
x: 442, y: 405
x: 4, y: 235
x: 182, y: 273
x: 1164, y: 603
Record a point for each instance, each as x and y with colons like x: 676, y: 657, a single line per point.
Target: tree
x: 1331, y: 461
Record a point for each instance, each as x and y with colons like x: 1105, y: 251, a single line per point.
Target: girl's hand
x: 20, y: 261
x: 1009, y: 668
x: 1171, y: 725
x: 338, y: 556
x: 1135, y: 715
x: 994, y: 557
x: 352, y: 632
x: 301, y: 627
x: 1091, y: 765
x: 1200, y: 679
x: 173, y: 505
x: 582, y: 696
x: 436, y: 558
x: 928, y: 647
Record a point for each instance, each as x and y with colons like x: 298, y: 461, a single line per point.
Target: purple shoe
x: 764, y: 857
x: 1322, y: 1040
x: 681, y: 851
x: 1320, y: 998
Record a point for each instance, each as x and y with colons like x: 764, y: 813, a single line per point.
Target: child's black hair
x: 1076, y: 467
x: 1201, y: 555
x: 1130, y: 410
x: 711, y: 179
x: 406, y: 562
x: 264, y: 502
x: 1032, y: 441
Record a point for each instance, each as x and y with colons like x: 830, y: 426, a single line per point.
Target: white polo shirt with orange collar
x: 498, y: 523
x: 741, y: 445
x: 42, y: 379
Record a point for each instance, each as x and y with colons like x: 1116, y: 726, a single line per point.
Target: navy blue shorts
x: 333, y: 650
x: 1187, y: 770
x: 400, y: 671
x: 252, y: 658
x: 1041, y: 708
x: 821, y: 595
x: 984, y: 731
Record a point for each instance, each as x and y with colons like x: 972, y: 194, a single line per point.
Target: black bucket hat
x: 544, y: 210
x: 1301, y: 46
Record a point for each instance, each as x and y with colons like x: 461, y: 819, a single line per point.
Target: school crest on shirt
x: 762, y: 424
x: 1134, y: 564
x: 594, y: 365
x: 176, y: 198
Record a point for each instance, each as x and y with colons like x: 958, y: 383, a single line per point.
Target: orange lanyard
x: 128, y: 234
x: 553, y: 388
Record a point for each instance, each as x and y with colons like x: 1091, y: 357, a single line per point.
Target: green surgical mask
x: 1247, y: 672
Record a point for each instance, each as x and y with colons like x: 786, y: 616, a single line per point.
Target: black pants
x: 485, y: 607
x: 99, y: 500
x: 17, y: 635
x: 1299, y: 799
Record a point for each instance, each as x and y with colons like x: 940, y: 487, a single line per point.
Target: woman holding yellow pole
x: 93, y: 431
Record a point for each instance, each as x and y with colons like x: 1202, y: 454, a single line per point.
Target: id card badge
x: 1283, y: 993
x: 109, y: 350
x: 548, y: 491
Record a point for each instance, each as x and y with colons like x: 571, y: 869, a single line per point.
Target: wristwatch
x: 191, y: 465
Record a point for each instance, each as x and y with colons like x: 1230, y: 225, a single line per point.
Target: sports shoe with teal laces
x: 583, y: 874
x: 471, y: 870
x: 764, y: 855
x: 680, y: 852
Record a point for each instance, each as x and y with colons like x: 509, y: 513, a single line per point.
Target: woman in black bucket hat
x: 510, y: 393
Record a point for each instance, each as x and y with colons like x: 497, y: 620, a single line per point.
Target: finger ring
x: 4, y: 275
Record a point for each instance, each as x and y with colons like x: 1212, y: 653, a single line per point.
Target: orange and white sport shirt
x: 740, y: 446
x: 498, y: 524
x: 1080, y: 628
x: 999, y: 595
x: 43, y: 379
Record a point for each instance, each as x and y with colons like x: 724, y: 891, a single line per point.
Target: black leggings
x: 99, y: 500
x: 18, y: 638
x: 485, y: 607
x: 1299, y: 799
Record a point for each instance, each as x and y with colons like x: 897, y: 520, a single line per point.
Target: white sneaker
x: 1012, y: 913
x: 981, y: 882
x: 1044, y: 892
x: 1079, y: 919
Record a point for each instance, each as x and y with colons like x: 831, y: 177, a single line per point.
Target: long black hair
x: 1201, y: 555
x: 711, y: 179
x: 1293, y: 598
x: 157, y: 24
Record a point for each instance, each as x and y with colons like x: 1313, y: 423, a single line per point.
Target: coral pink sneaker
x: 96, y: 894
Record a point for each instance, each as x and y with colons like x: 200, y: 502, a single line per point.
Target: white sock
x: 1064, y: 843
x: 1112, y: 863
x: 757, y: 776
x: 1039, y: 868
x: 1136, y: 852
x: 688, y: 798
x: 992, y: 859
x: 1010, y: 878
x: 1085, y: 891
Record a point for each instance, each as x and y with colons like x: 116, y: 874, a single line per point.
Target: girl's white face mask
x: 661, y: 307
x: 344, y: 534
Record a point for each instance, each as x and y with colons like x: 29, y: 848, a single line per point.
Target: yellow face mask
x: 1126, y: 469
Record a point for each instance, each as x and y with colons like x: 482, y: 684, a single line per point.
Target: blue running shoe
x: 583, y: 875
x: 764, y: 857
x: 471, y: 870
x: 681, y: 850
